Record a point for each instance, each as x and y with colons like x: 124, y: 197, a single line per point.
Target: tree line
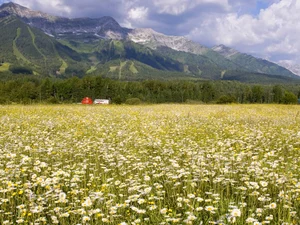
x: 29, y: 90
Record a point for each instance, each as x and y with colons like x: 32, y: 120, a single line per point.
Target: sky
x: 268, y: 29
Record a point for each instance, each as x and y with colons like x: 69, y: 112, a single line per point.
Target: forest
x: 31, y: 90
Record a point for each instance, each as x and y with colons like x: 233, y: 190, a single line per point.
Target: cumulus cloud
x: 227, y: 29
x: 138, y: 13
x: 177, y: 7
x: 135, y: 16
x: 55, y: 7
x: 275, y: 30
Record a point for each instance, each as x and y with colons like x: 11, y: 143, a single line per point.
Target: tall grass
x: 162, y: 164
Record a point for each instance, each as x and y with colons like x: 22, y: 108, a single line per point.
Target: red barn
x: 87, y: 101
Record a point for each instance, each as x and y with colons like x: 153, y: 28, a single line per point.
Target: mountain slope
x: 52, y: 45
x: 199, y: 65
x: 155, y: 40
x: 294, y: 68
x: 251, y: 63
x: 108, y: 57
x: 22, y: 12
x: 22, y: 45
x: 80, y: 41
x: 85, y: 29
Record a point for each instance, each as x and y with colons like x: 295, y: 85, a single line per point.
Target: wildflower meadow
x: 152, y: 164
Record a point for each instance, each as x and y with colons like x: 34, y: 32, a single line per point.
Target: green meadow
x: 150, y: 164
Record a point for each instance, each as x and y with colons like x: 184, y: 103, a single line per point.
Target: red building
x: 87, y: 101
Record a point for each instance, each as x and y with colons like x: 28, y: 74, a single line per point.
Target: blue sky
x: 268, y: 29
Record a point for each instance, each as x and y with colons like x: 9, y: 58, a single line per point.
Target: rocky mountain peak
x: 109, y: 23
x: 23, y: 12
x: 11, y: 6
x: 85, y: 29
x: 153, y: 39
x: 224, y: 50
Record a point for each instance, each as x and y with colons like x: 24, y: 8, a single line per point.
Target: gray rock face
x: 105, y: 27
x: 154, y: 39
x: 225, y: 51
x: 295, y: 68
x: 23, y: 12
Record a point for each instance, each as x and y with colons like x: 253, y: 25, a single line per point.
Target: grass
x: 7, y: 20
x: 91, y: 70
x: 122, y: 64
x: 80, y: 47
x: 113, y: 68
x: 186, y: 69
x: 157, y: 164
x: 64, y: 64
x: 33, y: 42
x: 16, y: 51
x: 118, y: 47
x: 133, y: 69
x: 4, y: 67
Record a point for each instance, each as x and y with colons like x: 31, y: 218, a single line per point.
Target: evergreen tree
x: 277, y: 94
x: 289, y: 98
x: 257, y: 94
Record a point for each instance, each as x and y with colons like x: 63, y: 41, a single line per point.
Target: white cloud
x: 55, y: 7
x: 177, y: 7
x: 138, y: 13
x: 174, y: 7
x: 135, y: 16
x: 275, y: 30
x: 229, y: 29
x: 283, y: 46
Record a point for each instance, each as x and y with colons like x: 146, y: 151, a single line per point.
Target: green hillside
x: 28, y: 47
x: 127, y: 60
x: 251, y: 77
x: 25, y: 47
x: 200, y: 66
x: 251, y: 63
x: 259, y: 65
x: 27, y: 50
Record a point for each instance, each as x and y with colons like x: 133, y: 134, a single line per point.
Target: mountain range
x: 46, y: 45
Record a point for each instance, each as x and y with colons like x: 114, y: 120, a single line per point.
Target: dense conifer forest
x: 30, y: 90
